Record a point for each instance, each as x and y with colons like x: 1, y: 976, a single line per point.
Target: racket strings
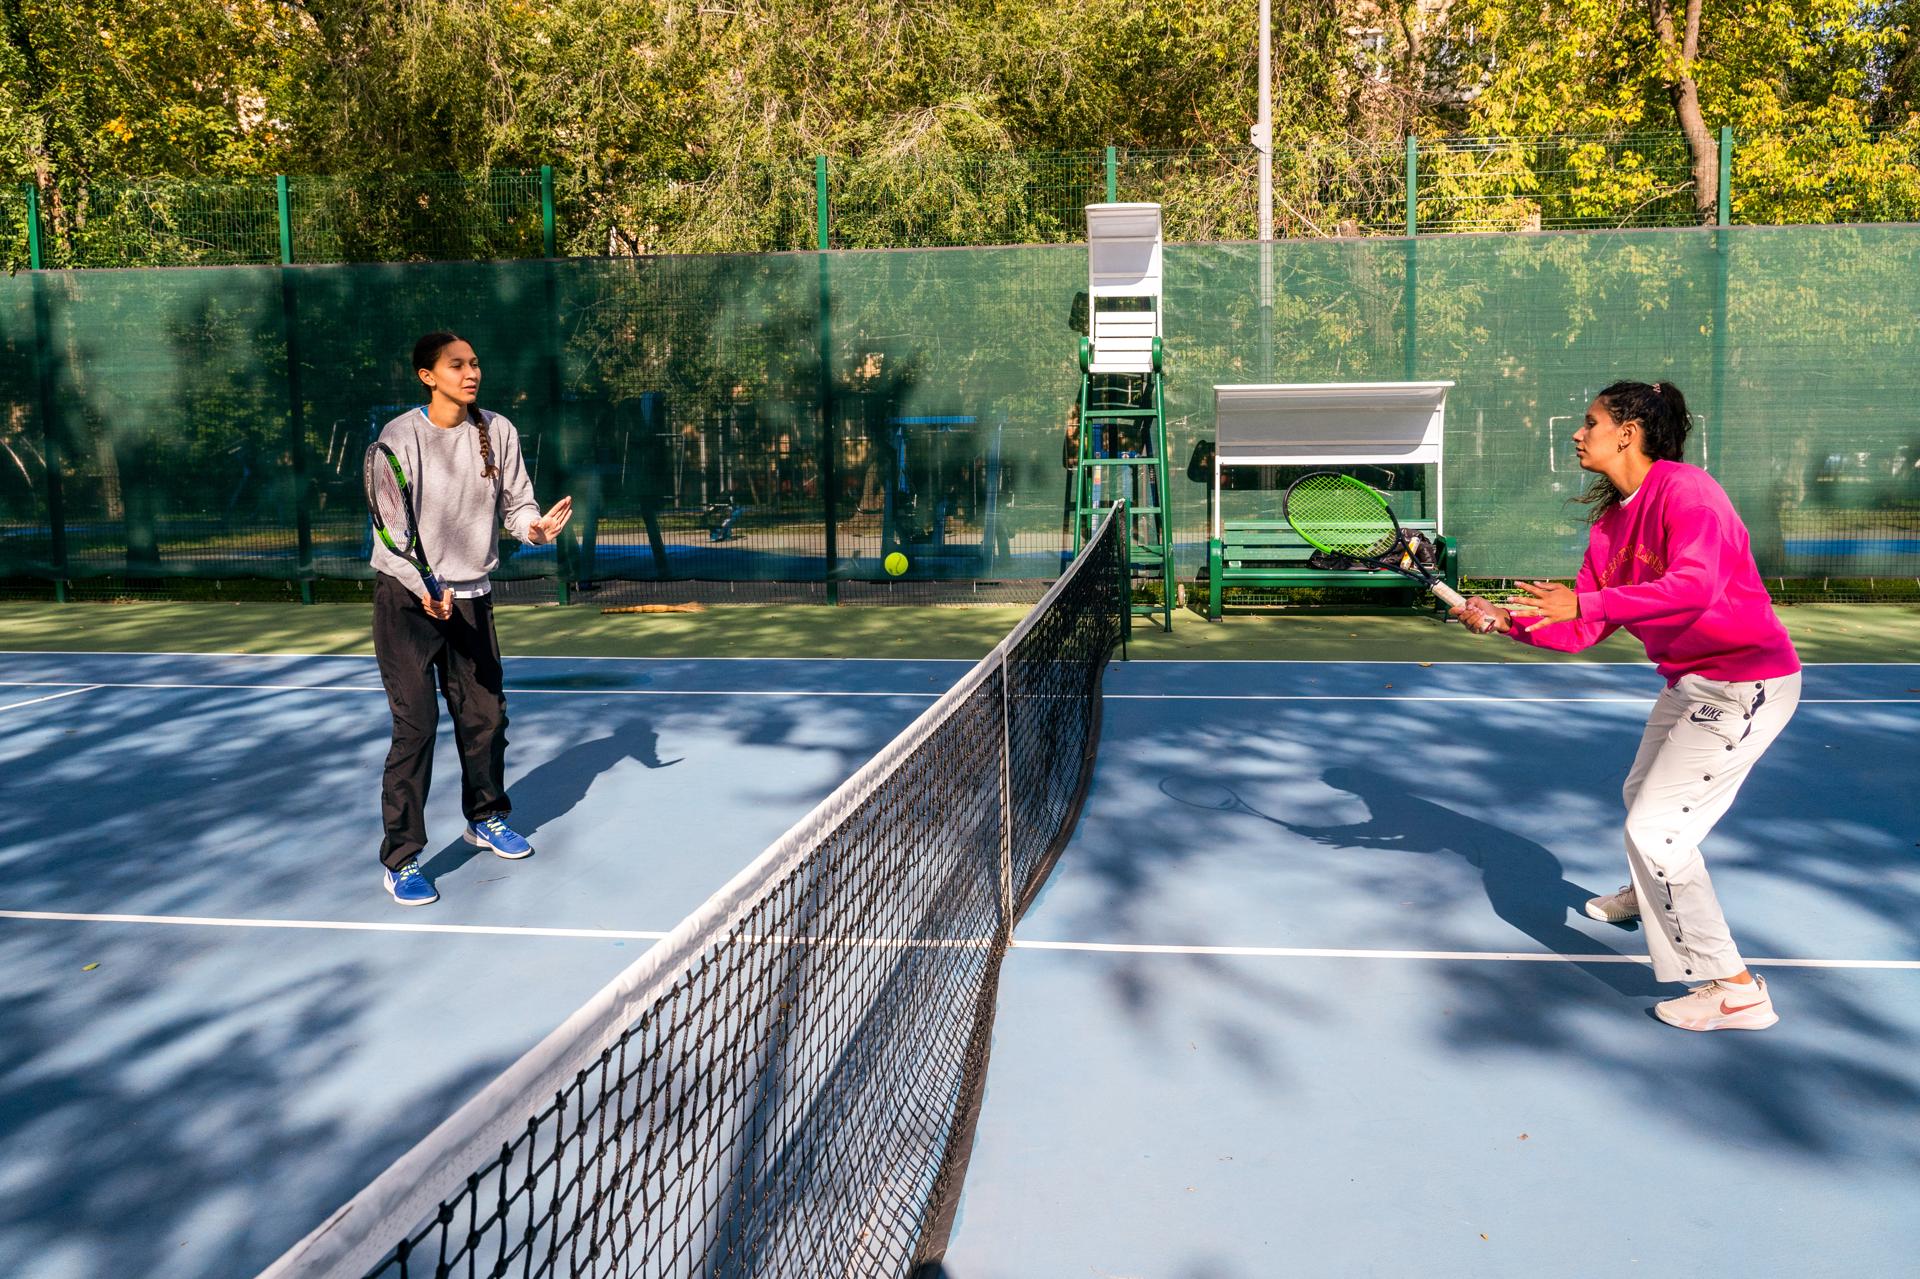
x: 1341, y: 517
x: 389, y: 503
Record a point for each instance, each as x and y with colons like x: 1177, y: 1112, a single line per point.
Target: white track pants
x: 1702, y: 739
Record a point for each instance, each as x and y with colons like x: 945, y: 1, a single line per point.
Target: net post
x: 1126, y: 577
x: 1006, y: 796
x: 1113, y: 175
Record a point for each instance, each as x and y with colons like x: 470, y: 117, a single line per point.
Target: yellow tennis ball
x: 895, y: 564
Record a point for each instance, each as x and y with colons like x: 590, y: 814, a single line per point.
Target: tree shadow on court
x: 178, y: 1135
x: 552, y: 789
x: 1803, y: 873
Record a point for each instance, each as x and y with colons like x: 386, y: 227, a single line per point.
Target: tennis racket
x: 390, y: 499
x: 1343, y: 516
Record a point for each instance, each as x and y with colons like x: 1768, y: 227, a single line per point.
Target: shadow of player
x: 553, y: 789
x: 1524, y: 882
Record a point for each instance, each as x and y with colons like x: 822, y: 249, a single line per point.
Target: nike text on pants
x: 462, y: 655
x: 1702, y: 739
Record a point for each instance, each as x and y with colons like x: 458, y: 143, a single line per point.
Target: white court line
x: 335, y: 925
x: 923, y: 693
x: 547, y: 692
x: 51, y: 697
x: 1524, y: 957
x: 1111, y: 948
x: 1142, y: 661
x: 1456, y: 697
x: 518, y: 657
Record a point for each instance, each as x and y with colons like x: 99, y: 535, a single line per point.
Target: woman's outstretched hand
x: 1482, y: 617
x: 548, y: 526
x: 1549, y: 601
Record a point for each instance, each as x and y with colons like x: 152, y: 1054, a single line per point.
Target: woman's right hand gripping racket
x: 1344, y: 516
x: 390, y: 499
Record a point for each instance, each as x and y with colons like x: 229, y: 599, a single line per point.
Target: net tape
x: 786, y: 1084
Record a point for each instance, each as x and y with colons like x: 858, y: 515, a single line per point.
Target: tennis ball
x: 895, y: 564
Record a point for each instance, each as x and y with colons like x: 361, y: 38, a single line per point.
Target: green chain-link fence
x: 1330, y: 187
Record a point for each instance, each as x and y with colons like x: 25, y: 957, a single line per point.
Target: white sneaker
x: 1721, y: 1005
x: 1615, y: 908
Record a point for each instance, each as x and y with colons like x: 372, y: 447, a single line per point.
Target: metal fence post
x: 1410, y: 281
x: 1726, y: 175
x: 49, y: 437
x: 285, y: 204
x: 1722, y: 270
x: 1113, y: 175
x: 1413, y: 185
x: 548, y: 237
x: 296, y: 400
x: 821, y: 217
x: 829, y: 416
x: 34, y: 262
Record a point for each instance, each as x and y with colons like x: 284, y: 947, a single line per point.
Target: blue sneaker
x: 410, y: 886
x: 491, y: 832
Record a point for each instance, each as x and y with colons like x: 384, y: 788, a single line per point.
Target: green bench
x: 1388, y: 426
x: 1268, y: 553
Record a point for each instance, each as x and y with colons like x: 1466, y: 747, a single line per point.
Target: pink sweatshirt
x: 1674, y: 567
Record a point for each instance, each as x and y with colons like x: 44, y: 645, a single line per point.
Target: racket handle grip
x: 434, y: 589
x: 1451, y: 597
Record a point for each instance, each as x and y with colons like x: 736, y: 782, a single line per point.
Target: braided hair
x: 1661, y: 411
x: 426, y: 354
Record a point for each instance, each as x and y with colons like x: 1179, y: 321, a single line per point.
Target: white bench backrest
x: 1124, y: 255
x: 1331, y: 424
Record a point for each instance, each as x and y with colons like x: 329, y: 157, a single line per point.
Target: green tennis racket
x: 1343, y: 516
x: 390, y: 501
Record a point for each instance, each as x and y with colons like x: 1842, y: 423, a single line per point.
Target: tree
x: 1679, y: 50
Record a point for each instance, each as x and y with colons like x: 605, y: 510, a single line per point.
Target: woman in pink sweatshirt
x: 1668, y: 559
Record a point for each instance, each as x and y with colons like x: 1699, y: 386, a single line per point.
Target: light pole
x: 1263, y: 143
x: 1262, y: 134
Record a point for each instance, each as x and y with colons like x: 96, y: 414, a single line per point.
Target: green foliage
x: 681, y: 127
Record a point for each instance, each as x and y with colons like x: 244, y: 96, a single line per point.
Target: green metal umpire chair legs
x: 1123, y: 457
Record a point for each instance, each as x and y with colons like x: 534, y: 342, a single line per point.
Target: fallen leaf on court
x: 1483, y: 1236
x: 1388, y: 686
x: 1917, y: 690
x: 89, y: 967
x: 1523, y: 1136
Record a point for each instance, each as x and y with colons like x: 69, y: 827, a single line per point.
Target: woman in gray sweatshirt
x: 469, y: 480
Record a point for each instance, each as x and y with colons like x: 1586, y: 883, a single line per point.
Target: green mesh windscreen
x: 211, y: 421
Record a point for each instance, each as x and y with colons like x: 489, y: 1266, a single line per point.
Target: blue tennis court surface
x: 1309, y: 993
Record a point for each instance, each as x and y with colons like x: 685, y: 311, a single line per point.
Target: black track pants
x: 463, y: 655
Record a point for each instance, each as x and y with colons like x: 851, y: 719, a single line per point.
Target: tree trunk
x: 1681, y: 49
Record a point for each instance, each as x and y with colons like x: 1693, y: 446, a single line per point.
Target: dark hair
x: 1661, y: 411
x: 426, y: 354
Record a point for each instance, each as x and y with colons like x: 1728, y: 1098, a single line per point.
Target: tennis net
x: 787, y: 1084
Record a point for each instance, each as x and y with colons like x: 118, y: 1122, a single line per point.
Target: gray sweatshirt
x: 460, y: 511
